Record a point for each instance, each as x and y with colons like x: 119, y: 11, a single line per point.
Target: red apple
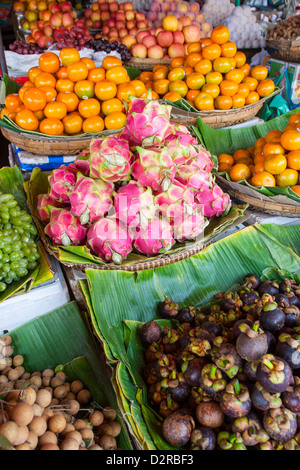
x: 128, y: 6
x: 158, y: 30
x: 178, y: 36
x: 88, y: 12
x: 130, y: 24
x: 141, y: 25
x: 133, y: 32
x: 46, y: 15
x: 129, y: 15
x: 40, y: 25
x: 66, y: 6
x: 139, y: 16
x: 165, y: 38
x: 113, y: 6
x: 48, y: 31
x: 111, y: 23
x: 79, y: 24
x: 191, y: 33
x: 120, y: 16
x: 139, y: 51
x: 176, y: 50
x: 140, y: 35
x: 155, y: 52
x: 129, y: 41
x: 105, y: 15
x: 103, y: 7
x: 95, y: 16
x: 123, y: 32
x: 120, y: 24
x: 149, y: 41
x: 105, y: 30
x: 55, y: 21
x: 97, y: 25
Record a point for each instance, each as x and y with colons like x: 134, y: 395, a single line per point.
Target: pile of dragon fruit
x: 140, y: 191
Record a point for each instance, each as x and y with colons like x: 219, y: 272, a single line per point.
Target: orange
x: 260, y: 142
x: 176, y: 62
x: 111, y: 106
x: 96, y: 74
x: 40, y: 115
x: 111, y: 61
x: 246, y: 69
x: 139, y: 87
x: 180, y: 87
x: 118, y: 75
x: 294, y: 118
x: 259, y: 158
x: 105, y: 89
x: 204, y: 102
x: 170, y: 23
x: 194, y: 47
x: 88, y: 62
x: 115, y: 121
x: 84, y: 89
x: 62, y: 72
x: 253, y: 97
x: 229, y: 49
x: 27, y: 120
x: 293, y: 159
x: 28, y: 83
x: 290, y: 140
x: 238, y: 101
x: 50, y: 93
x: 240, y: 58
x: 263, y: 179
x: 56, y: 109
x: 33, y: 72
x: 204, y: 66
x: 228, y: 88
x: 89, y: 108
x: 244, y: 89
x: 205, y: 42
x: 177, y: 73
x: 239, y: 171
x: 51, y: 126
x: 220, y: 34
x: 212, y: 89
x: 72, y: 124
x: 93, y: 125
x: 226, y: 158
x: 77, y: 71
x: 34, y: 99
x: 296, y: 189
x: 265, y: 87
x: 275, y: 163
x: 223, y: 102
x: 270, y: 148
x: 5, y: 112
x: 252, y: 82
x: 195, y: 81
x: 214, y: 78
x: 211, y: 52
x: 161, y: 66
x: 161, y: 86
x: 174, y: 96
x: 271, y: 134
x: 224, y: 167
x: 45, y: 79
x: 124, y: 91
x: 240, y: 153
x: 288, y: 177
x: 64, y: 84
x: 193, y: 58
x: 222, y: 65
x: 259, y: 167
x: 291, y: 127
x: 160, y: 73
x: 260, y: 72
x: 233, y: 62
x: 70, y: 99
x: 12, y: 102
x: 69, y: 55
x: 49, y: 62
x: 236, y: 75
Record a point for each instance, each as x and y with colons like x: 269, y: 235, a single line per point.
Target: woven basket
x: 40, y: 145
x: 259, y: 203
x: 146, y: 64
x: 287, y: 51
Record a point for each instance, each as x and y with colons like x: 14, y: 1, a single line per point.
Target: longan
x: 23, y: 433
x: 18, y: 360
x: 76, y: 386
x: 84, y: 396
x: 96, y: 418
x: 49, y: 447
x: 48, y: 437
x: 109, y: 413
x: 38, y: 425
x: 57, y: 423
x: 69, y: 444
x: 22, y: 414
x: 73, y: 406
x: 10, y: 431
x: 32, y: 440
x: 43, y: 398
x: 107, y: 442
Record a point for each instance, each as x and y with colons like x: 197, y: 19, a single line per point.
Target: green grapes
x: 18, y: 248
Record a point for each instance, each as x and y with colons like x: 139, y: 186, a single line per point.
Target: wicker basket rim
x: 48, y: 139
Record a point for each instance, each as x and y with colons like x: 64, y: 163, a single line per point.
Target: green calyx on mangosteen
x: 203, y: 438
x: 288, y: 348
x: 280, y: 424
x: 271, y: 317
x: 168, y: 308
x: 252, y: 343
x: 291, y: 396
x: 212, y: 380
x: 251, y: 281
x: 268, y: 287
x: 263, y: 400
x: 235, y: 399
x: 250, y: 429
x: 230, y: 441
x: 274, y: 373
x: 227, y: 359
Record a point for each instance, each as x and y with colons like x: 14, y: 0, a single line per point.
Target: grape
x: 23, y: 48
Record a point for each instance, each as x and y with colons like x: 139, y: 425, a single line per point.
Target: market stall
x: 150, y: 226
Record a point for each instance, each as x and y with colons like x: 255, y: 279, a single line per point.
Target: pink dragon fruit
x: 193, y: 177
x: 110, y: 159
x: 179, y: 144
x: 190, y: 226
x: 91, y: 199
x: 110, y: 240
x: 177, y: 201
x: 155, y: 239
x: 134, y: 204
x: 82, y: 162
x: 215, y: 202
x: 200, y: 158
x: 154, y: 168
x: 62, y: 180
x: 147, y: 123
x: 65, y: 228
x: 44, y: 205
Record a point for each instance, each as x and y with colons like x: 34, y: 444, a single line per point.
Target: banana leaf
x: 81, y: 255
x: 120, y: 302
x: 64, y: 337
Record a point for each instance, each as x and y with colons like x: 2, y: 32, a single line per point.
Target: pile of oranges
x: 69, y: 95
x: 213, y: 75
x: 274, y: 160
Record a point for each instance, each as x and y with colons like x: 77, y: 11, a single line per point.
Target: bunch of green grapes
x: 18, y: 248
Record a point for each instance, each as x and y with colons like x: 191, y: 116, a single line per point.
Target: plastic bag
x: 276, y: 107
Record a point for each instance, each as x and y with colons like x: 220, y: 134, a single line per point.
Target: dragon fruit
x: 110, y: 159
x: 154, y: 168
x: 180, y: 145
x: 155, y: 239
x: 82, y: 162
x: 177, y: 201
x: 193, y: 177
x: 91, y: 199
x: 189, y: 226
x: 65, y: 228
x: 110, y: 240
x: 214, y: 201
x: 62, y: 180
x: 134, y: 204
x: 44, y: 205
x: 147, y: 123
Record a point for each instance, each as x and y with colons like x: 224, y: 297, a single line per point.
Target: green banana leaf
x: 64, y: 337
x: 120, y: 302
x: 81, y: 255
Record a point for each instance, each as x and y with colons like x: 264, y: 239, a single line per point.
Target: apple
x: 155, y: 52
x: 105, y: 15
x: 158, y: 30
x: 66, y: 6
x: 165, y: 38
x: 41, y: 42
x: 46, y: 15
x: 178, y: 36
x: 141, y: 25
x: 130, y: 24
x: 40, y: 25
x: 95, y: 7
x: 88, y: 12
x: 113, y: 6
x: 97, y: 25
x: 95, y: 16
x: 111, y: 23
x: 149, y: 41
x: 120, y: 24
x: 48, y: 31
x: 140, y: 16
x: 123, y: 32
x: 176, y: 50
x: 113, y: 32
x: 55, y: 21
x: 105, y: 30
x: 185, y: 20
x: 154, y: 7
x: 152, y: 16
x: 133, y: 32
x: 165, y: 7
x: 79, y: 24
x: 206, y: 27
x: 140, y: 35
x: 103, y: 7
x: 191, y: 33
x: 129, y: 41
x: 120, y: 16
x: 129, y: 15
x: 128, y: 6
x: 139, y: 51
x: 199, y: 17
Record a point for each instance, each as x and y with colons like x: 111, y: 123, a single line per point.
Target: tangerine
x: 27, y: 120
x: 195, y: 81
x: 211, y: 52
x: 259, y: 72
x: 51, y: 126
x: 105, y: 89
x: 111, y: 106
x: 288, y: 177
x: 265, y: 87
x: 275, y: 163
x: 88, y: 62
x: 180, y: 87
x: 70, y: 99
x: 204, y: 66
x: 293, y: 159
x: 228, y: 87
x: 96, y: 75
x: 110, y: 62
x: 239, y: 171
x: 118, y: 75
x: 220, y: 34
x: 64, y: 84
x: 229, y: 49
x: 115, y: 121
x: 138, y: 86
x: 253, y: 97
x: 50, y: 93
x: 72, y: 124
x: 68, y: 56
x: 84, y: 89
x: 204, y: 102
x: 263, y: 179
x: 49, y: 62
x: 34, y: 99
x: 45, y: 79
x: 124, y: 91
x: 55, y: 109
x: 12, y: 102
x: 89, y: 108
x: 77, y: 71
x: 223, y: 102
x: 93, y: 125
x: 290, y: 140
x: 174, y: 96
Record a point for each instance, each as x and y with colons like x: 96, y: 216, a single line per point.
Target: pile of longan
x: 44, y: 411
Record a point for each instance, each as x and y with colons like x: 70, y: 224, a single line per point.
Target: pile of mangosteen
x: 226, y: 376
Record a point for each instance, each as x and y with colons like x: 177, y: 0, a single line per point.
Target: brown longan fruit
x: 43, y: 398
x: 10, y: 431
x: 32, y: 440
x: 49, y: 447
x: 26, y: 376
x: 107, y: 442
x: 22, y: 413
x: 23, y: 433
x: 73, y: 407
x: 95, y: 447
x: 84, y: 396
x: 69, y: 444
x: 28, y: 395
x: 109, y: 413
x: 96, y: 418
x: 38, y: 425
x: 60, y: 392
x: 61, y: 375
x: 76, y: 386
x: 56, y: 381
x: 48, y: 437
x: 75, y: 435
x: 116, y: 428
x: 7, y: 351
x: 87, y: 434
x: 48, y: 373
x: 37, y: 410
x: 57, y: 423
x: 69, y: 428
x: 13, y: 374
x: 36, y: 381
x: 80, y: 424
x: 18, y: 360
x: 24, y: 446
x: 13, y: 395
x: 5, y: 340
x: 47, y: 414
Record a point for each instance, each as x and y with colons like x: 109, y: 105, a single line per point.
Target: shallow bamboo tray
x: 260, y: 202
x: 40, y: 145
x: 146, y: 64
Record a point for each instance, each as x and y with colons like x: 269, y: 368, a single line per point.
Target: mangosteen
x: 230, y: 301
x: 292, y: 444
x: 164, y: 366
x: 263, y: 400
x: 274, y: 373
x: 212, y: 327
x: 251, y: 281
x: 271, y: 317
x: 271, y: 341
x: 227, y: 359
x: 177, y: 429
x: 170, y: 340
x: 288, y: 348
x: 186, y: 314
x: 168, y: 309
x: 156, y: 394
x: 235, y: 400
x: 280, y: 424
x: 294, y: 300
x: 250, y: 370
x: 168, y: 407
x: 230, y: 441
x: 249, y: 297
x: 203, y: 438
x: 181, y: 392
x: 236, y: 330
x: 252, y: 343
x: 212, y: 380
x: 268, y: 287
x: 153, y: 352
x: 151, y: 332
x: 291, y: 396
x: 286, y: 286
x: 201, y: 343
x: 209, y: 414
x: 282, y: 300
x: 192, y: 371
x: 251, y: 430
x: 149, y: 374
x: 292, y: 316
